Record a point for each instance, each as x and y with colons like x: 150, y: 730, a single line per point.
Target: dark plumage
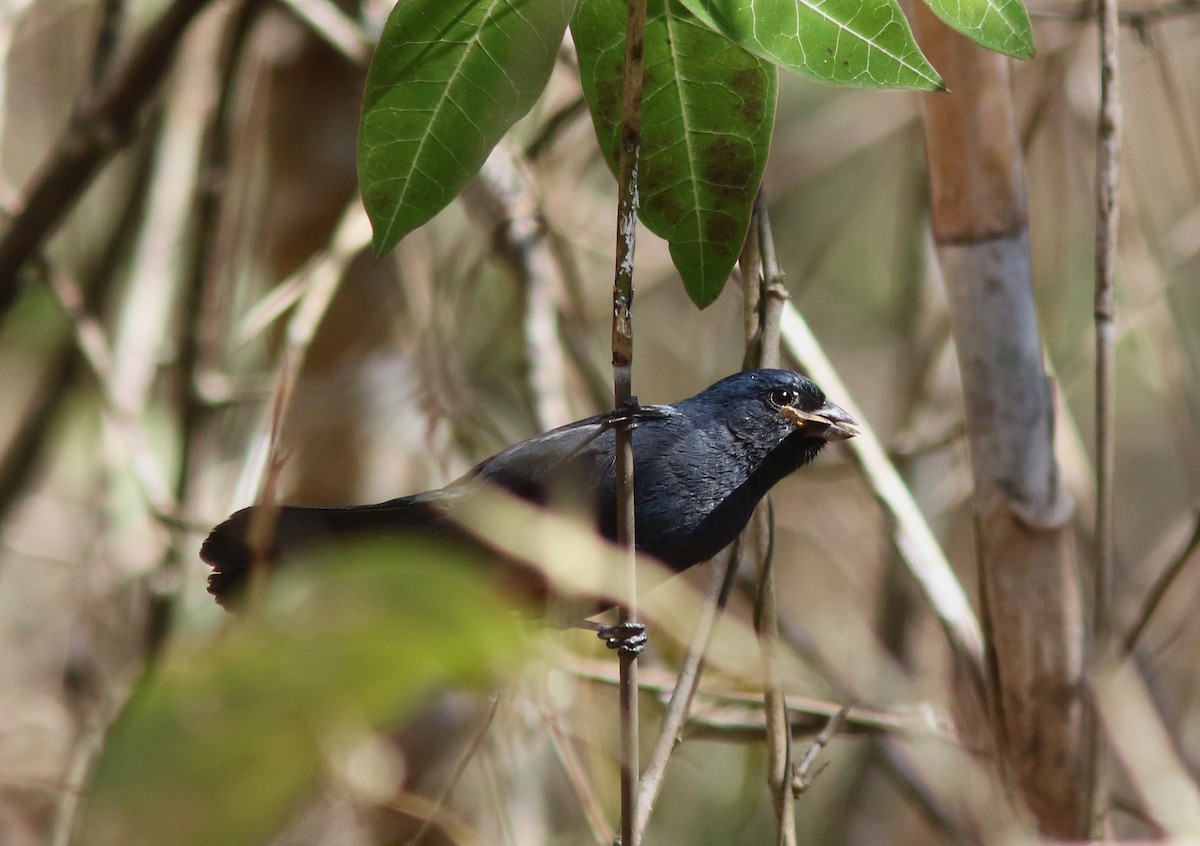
x: 701, y: 466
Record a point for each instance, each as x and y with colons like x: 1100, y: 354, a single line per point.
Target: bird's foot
x: 624, y: 416
x: 627, y: 638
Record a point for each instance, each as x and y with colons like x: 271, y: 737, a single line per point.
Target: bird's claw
x: 627, y: 638
x: 624, y: 416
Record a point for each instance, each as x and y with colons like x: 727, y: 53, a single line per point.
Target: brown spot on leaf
x: 659, y: 174
x: 751, y: 89
x: 727, y: 165
x: 608, y: 98
x: 720, y: 229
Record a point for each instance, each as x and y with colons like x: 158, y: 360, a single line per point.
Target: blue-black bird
x: 700, y: 468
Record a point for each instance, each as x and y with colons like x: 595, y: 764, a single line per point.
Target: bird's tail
x: 262, y: 536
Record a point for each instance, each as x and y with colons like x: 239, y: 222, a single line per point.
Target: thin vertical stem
x: 780, y: 765
x: 670, y: 734
x: 109, y: 25
x: 196, y: 291
x: 763, y: 351
x: 1108, y: 146
x: 622, y: 348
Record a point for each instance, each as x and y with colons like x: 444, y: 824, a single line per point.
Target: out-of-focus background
x: 140, y: 368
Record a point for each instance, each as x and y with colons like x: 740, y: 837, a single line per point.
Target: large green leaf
x: 230, y: 735
x: 1001, y: 25
x: 858, y: 42
x: 707, y: 114
x: 448, y: 79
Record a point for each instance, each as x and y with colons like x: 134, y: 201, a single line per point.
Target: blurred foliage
x: 229, y: 733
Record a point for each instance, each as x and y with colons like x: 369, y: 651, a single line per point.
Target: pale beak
x: 830, y: 422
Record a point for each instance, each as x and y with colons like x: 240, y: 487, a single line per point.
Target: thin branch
x: 926, y: 794
x: 574, y: 323
x: 1161, y: 585
x: 716, y: 709
x: 914, y: 539
x: 779, y: 738
x: 316, y: 282
x: 750, y: 271
x: 1108, y: 146
x: 212, y: 168
x: 555, y: 125
x: 745, y: 723
x: 110, y: 21
x: 622, y: 352
x: 24, y: 449
x: 686, y: 682
x: 435, y: 810
x: 333, y: 26
x: 1138, y: 17
x: 774, y: 296
x: 126, y: 421
x: 103, y: 124
x: 602, y: 831
x: 898, y: 766
x: 1146, y: 749
x: 502, y: 201
x: 804, y: 777
x: 89, y: 742
x: 320, y: 279
x: 763, y: 346
x: 454, y: 830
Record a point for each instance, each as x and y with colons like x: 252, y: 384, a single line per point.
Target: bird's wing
x: 577, y: 453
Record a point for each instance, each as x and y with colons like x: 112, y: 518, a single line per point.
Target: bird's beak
x: 829, y: 422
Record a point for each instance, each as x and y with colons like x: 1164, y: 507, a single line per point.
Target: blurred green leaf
x: 707, y: 115
x: 227, y: 738
x: 857, y: 42
x: 448, y: 79
x: 1000, y: 25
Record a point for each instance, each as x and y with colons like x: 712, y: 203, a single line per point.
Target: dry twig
x: 333, y: 26
x: 103, y: 124
x: 914, y: 539
x: 763, y: 348
x: 803, y: 778
x: 1161, y: 585
x: 686, y: 683
x: 212, y: 165
x: 622, y: 352
x: 435, y: 810
x: 502, y: 200
x: 24, y: 448
x: 602, y: 831
x: 1108, y: 146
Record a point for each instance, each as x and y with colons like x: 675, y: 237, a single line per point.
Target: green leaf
x: 857, y: 42
x: 1001, y: 25
x: 229, y: 736
x: 448, y: 79
x: 707, y: 113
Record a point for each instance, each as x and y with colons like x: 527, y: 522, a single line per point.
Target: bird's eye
x: 782, y: 396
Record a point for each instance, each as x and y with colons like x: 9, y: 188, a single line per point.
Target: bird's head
x: 775, y: 413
